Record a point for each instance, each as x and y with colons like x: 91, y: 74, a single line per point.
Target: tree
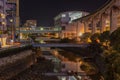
x: 85, y: 37
x: 105, y: 37
x: 112, y: 60
x: 115, y: 39
x: 89, y: 68
x: 95, y: 38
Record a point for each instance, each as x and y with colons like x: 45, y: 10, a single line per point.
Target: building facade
x: 64, y: 21
x: 3, y: 27
x: 13, y: 12
x: 2, y: 15
x: 30, y: 23
x: 9, y: 19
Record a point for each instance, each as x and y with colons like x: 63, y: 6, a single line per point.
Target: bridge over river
x: 60, y: 45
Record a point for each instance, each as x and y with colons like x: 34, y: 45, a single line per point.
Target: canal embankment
x: 14, y: 62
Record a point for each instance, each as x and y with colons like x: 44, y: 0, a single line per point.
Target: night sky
x: 45, y: 10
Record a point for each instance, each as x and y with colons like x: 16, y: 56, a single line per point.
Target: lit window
x: 63, y: 15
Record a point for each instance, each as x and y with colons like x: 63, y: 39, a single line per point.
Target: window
x: 63, y: 15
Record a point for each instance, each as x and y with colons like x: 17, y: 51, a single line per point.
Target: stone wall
x: 12, y: 65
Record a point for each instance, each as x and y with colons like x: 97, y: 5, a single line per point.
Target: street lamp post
x: 12, y: 33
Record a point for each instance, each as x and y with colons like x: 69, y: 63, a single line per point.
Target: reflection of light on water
x: 72, y: 78
x: 63, y: 78
x: 79, y: 77
x: 42, y: 41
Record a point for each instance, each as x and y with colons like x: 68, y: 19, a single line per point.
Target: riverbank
x: 36, y: 70
x: 12, y: 65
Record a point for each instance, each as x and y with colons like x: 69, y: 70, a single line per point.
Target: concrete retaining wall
x: 12, y: 65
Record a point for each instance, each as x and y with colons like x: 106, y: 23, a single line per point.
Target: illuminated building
x: 2, y: 14
x: 64, y: 21
x: 3, y: 22
x: 9, y: 18
x: 12, y: 18
x: 13, y: 12
x: 30, y: 23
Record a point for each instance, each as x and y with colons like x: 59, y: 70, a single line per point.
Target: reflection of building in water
x: 70, y: 66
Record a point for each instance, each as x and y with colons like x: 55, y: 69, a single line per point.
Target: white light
x: 80, y: 34
x: 63, y: 78
x: 63, y: 15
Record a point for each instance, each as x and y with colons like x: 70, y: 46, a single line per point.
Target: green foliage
x: 105, y: 36
x: 88, y: 68
x: 85, y: 37
x: 112, y: 60
x: 25, y: 35
x: 95, y: 37
x: 95, y: 48
x: 115, y: 39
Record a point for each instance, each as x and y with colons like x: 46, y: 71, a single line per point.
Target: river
x: 51, y: 67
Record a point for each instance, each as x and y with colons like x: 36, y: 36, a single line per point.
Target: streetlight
x: 12, y: 33
x: 80, y: 34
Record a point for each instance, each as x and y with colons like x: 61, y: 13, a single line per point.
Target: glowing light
x: 11, y: 20
x: 3, y: 23
x: 41, y: 29
x: 80, y: 34
x: 3, y: 16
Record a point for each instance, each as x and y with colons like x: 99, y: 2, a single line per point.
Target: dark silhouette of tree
x: 115, y: 39
x: 105, y: 37
x: 85, y: 37
x: 95, y: 37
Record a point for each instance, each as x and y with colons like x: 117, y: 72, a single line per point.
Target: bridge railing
x: 37, y: 31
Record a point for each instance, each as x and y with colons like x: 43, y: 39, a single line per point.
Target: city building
x: 3, y: 22
x: 30, y: 23
x: 12, y: 17
x: 2, y: 15
x: 13, y: 13
x: 65, y: 22
x: 9, y: 19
